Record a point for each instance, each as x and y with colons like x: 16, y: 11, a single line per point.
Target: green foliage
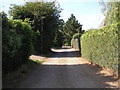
x: 77, y: 35
x: 101, y: 46
x: 37, y: 61
x: 58, y: 41
x: 17, y: 45
x: 45, y: 21
x: 111, y: 11
x: 59, y: 35
x: 71, y: 27
x: 20, y: 12
x: 75, y: 42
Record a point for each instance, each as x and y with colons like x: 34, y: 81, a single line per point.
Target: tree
x: 111, y: 10
x: 45, y: 21
x: 59, y: 35
x: 72, y: 26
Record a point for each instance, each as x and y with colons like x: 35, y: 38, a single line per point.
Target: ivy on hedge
x: 101, y: 46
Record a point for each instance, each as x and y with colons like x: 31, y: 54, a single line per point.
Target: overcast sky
x: 87, y: 12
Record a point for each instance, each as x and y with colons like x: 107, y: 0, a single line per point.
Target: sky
x: 87, y: 12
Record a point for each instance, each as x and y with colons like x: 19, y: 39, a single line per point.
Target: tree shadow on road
x: 77, y: 76
x: 67, y: 76
x: 64, y: 54
x: 56, y: 53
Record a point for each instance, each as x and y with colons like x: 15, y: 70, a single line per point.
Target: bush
x: 75, y: 42
x: 17, y: 43
x: 101, y: 46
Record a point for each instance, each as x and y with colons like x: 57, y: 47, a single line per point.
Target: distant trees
x: 71, y: 27
x: 45, y: 22
x: 111, y: 11
x: 59, y: 35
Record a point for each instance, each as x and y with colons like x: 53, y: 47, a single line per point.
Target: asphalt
x: 66, y: 69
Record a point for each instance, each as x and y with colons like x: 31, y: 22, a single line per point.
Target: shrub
x: 101, y: 46
x: 17, y: 43
x: 75, y: 42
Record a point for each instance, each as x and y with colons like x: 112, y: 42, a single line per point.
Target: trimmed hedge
x: 75, y: 42
x: 101, y: 46
x: 17, y: 44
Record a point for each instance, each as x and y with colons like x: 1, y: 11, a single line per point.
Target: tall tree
x: 72, y: 26
x: 59, y: 35
x: 45, y: 21
x: 111, y: 11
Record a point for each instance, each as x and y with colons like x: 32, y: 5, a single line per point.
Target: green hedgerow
x: 101, y: 46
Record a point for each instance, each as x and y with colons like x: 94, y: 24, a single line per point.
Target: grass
x: 37, y: 61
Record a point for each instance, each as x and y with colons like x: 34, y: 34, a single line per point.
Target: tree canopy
x: 111, y: 10
x: 71, y: 27
x: 45, y: 21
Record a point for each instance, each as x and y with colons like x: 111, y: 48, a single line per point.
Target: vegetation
x: 111, y: 11
x: 37, y: 61
x: 71, y: 27
x: 75, y: 42
x: 59, y: 35
x: 101, y: 46
x: 34, y: 27
x: 17, y: 35
x: 45, y: 22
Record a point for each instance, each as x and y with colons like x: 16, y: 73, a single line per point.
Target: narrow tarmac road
x: 65, y: 69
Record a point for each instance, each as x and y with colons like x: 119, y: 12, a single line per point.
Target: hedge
x: 17, y: 44
x: 75, y: 42
x: 101, y: 46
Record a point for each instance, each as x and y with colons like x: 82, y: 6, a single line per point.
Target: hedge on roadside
x: 16, y: 43
x: 101, y: 46
x: 75, y: 42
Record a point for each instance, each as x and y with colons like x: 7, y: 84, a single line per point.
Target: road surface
x: 65, y: 69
